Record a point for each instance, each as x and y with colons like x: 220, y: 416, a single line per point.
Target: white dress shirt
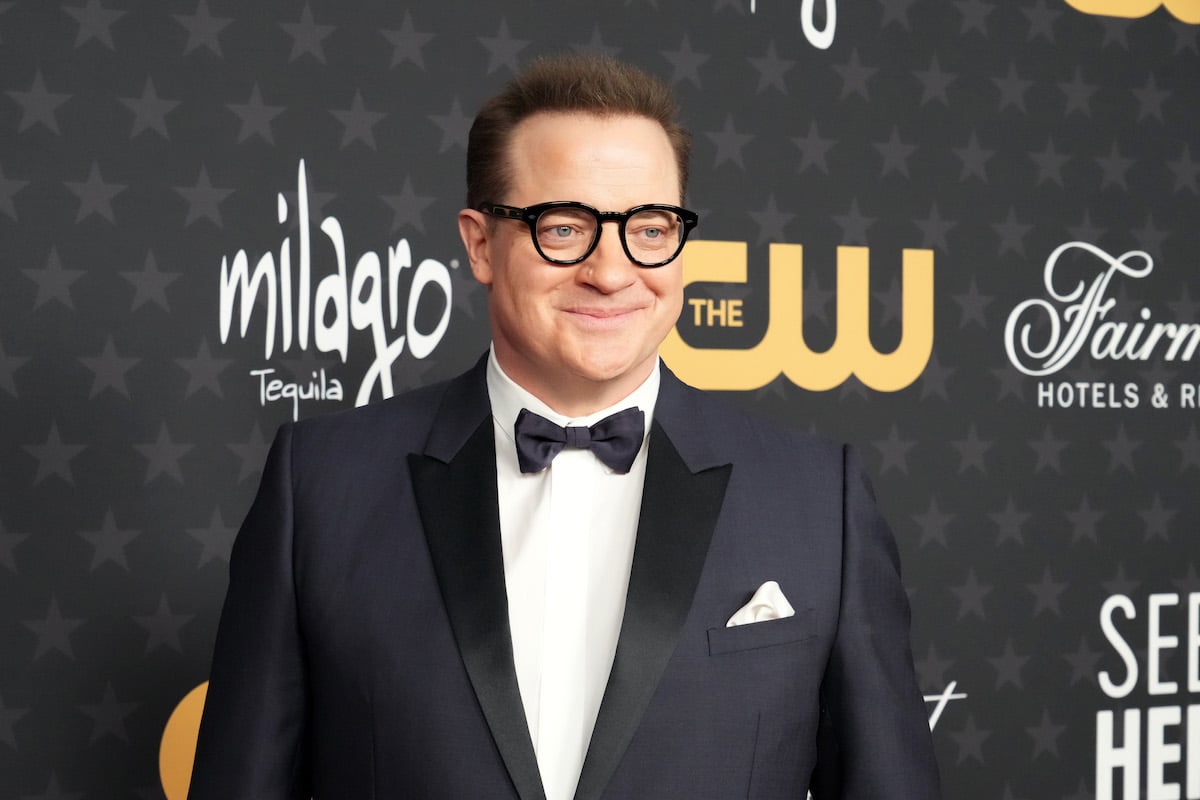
x: 568, y: 535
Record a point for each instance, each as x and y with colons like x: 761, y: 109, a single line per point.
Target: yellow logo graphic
x: 1184, y: 10
x: 783, y: 349
x: 178, y: 748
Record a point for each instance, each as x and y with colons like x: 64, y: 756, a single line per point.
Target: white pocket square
x: 768, y: 603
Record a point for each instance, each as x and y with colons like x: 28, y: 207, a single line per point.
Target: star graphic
x: 1009, y: 522
x: 816, y: 299
x: 932, y: 670
x: 771, y: 69
x: 1185, y: 36
x: 974, y: 159
x: 163, y: 627
x: 1120, y: 450
x: 149, y: 111
x: 9, y: 367
x: 1049, y: 451
x: 685, y: 63
x: 204, y: 371
x: 1189, y: 446
x: 891, y: 300
x: 771, y: 222
x: 1150, y: 99
x: 729, y: 144
x: 53, y: 632
x: 1157, y: 520
x: 217, y: 539
x: 307, y: 36
x: 895, y: 11
x: 1011, y: 382
x: 1085, y: 231
x: 1083, y: 663
x: 1008, y: 667
x: 852, y: 386
x: 933, y: 378
x: 1185, y: 171
x: 1121, y: 584
x: 854, y: 225
x: 970, y: 596
x: 53, y: 282
x: 454, y: 125
x: 894, y: 451
x: 895, y: 154
x: 1078, y: 95
x: 1114, y: 166
x: 1151, y: 237
x: 1050, y: 164
x: 252, y: 453
x: 9, y: 187
x: 203, y: 199
x: 256, y: 117
x: 108, y: 543
x: 8, y: 544
x: 934, y: 230
x: 1185, y: 309
x: 854, y: 76
x: 973, y: 306
x: 933, y: 522
x: 934, y: 82
x: 357, y: 122
x: 971, y: 451
x: 108, y: 716
x: 407, y: 207
x: 503, y: 49
x: 1012, y: 233
x: 149, y: 284
x: 970, y: 740
x: 407, y: 43
x: 108, y: 370
x: 974, y: 15
x: 1084, y: 520
x: 95, y: 196
x: 54, y: 457
x: 1012, y: 89
x: 1046, y: 592
x: 1041, y: 21
x: 95, y: 22
x: 203, y: 29
x: 8, y: 716
x: 1116, y: 31
x: 162, y: 456
x: 1189, y: 583
x: 596, y: 45
x: 813, y: 149
x: 1045, y: 736
x: 38, y: 105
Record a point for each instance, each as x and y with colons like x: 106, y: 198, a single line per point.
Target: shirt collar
x: 508, y: 398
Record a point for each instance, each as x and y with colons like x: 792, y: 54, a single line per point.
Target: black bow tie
x: 615, y: 440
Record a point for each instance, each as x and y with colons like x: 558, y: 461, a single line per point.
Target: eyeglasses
x: 565, y: 232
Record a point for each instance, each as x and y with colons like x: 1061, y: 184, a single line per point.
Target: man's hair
x: 589, y: 84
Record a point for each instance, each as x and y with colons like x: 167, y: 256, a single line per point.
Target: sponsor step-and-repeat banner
x: 963, y: 236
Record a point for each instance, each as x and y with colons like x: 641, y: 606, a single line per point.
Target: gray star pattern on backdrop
x: 729, y: 144
x: 149, y: 111
x: 217, y: 539
x: 54, y: 456
x: 108, y: 716
x: 1041, y: 19
x: 772, y: 69
x: 95, y: 195
x: 503, y: 50
x: 108, y: 370
x: 39, y: 105
x: 150, y: 284
x: 407, y: 43
x: 855, y: 76
x: 813, y: 149
x: 308, y: 37
x: 934, y: 82
x: 54, y: 281
x: 54, y: 632
x: 454, y: 126
x: 203, y: 29
x: 95, y: 22
x: 162, y: 627
x: 407, y: 207
x: 162, y: 456
x: 255, y: 117
x: 357, y: 122
x: 203, y: 200
x: 685, y: 63
x: 109, y: 543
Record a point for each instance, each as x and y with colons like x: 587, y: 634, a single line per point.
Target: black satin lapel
x: 459, y: 511
x: 678, y: 515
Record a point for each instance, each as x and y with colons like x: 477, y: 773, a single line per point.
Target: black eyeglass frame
x: 530, y: 214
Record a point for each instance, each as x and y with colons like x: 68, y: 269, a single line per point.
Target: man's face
x: 579, y: 337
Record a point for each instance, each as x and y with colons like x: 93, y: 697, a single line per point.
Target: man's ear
x: 475, y: 230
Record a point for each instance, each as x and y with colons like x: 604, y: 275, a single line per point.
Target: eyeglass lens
x: 566, y: 234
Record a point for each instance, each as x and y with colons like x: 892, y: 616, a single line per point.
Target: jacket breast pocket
x: 797, y: 628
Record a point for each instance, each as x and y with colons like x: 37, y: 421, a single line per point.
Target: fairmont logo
x: 295, y: 314
x: 822, y: 37
x: 1046, y: 335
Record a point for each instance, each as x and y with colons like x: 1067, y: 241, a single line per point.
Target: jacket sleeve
x: 874, y: 739
x: 254, y: 731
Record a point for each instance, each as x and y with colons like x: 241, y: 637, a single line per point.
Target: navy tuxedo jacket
x: 364, y: 649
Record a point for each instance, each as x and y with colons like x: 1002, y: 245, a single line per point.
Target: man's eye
x: 561, y: 231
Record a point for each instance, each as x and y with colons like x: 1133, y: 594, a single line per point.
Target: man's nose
x: 608, y: 268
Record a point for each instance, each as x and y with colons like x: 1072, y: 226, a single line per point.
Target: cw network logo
x: 783, y: 350
x: 1184, y: 10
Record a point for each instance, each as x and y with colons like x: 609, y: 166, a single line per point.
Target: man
x: 525, y: 582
